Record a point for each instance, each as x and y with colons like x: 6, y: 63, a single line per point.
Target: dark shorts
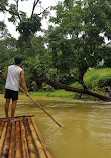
x: 10, y: 94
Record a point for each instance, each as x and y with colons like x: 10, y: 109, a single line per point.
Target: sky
x: 26, y: 6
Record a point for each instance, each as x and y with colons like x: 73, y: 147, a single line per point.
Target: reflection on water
x: 86, y: 131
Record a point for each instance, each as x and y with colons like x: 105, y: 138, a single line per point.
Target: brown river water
x: 86, y: 131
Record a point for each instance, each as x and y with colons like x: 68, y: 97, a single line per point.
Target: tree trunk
x: 58, y: 85
x: 30, y: 44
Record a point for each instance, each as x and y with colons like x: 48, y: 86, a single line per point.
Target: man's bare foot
x: 13, y: 120
x: 6, y: 119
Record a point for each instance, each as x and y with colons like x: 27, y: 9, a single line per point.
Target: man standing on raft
x: 12, y: 75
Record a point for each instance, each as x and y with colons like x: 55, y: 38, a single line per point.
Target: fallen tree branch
x: 58, y: 85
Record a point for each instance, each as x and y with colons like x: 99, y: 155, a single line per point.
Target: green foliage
x: 12, y: 9
x: 59, y: 76
x: 93, y: 81
x: 7, y: 53
x: 65, y: 78
x: 98, y: 78
x: 61, y: 50
x: 52, y: 73
x: 107, y: 55
x: 3, y: 31
x: 68, y: 2
x: 105, y: 80
x: 3, y: 4
x: 76, y: 85
x: 75, y: 41
x: 2, y: 26
x: 61, y: 93
x: 33, y: 86
x: 37, y: 65
x: 75, y: 73
x: 29, y: 25
x: 46, y: 87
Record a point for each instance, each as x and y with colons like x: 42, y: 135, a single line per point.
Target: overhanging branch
x: 58, y: 85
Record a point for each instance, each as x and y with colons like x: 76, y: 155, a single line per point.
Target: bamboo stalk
x: 3, y: 137
x: 12, y: 143
x: 18, y: 153
x: 35, y: 138
x: 41, y: 139
x: 0, y: 122
x: 1, y: 128
x: 6, y: 147
x: 31, y: 149
x: 24, y: 143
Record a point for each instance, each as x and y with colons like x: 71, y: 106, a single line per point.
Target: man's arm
x: 23, y: 83
x: 5, y: 75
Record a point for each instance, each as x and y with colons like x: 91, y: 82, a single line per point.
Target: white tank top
x: 12, y: 81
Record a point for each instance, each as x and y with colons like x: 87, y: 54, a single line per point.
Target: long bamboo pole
x: 41, y: 108
x: 18, y: 150
x: 31, y: 149
x: 24, y: 142
x: 0, y: 123
x: 37, y: 142
x: 3, y: 137
x: 46, y: 149
x: 1, y: 128
x: 6, y: 147
x: 12, y: 142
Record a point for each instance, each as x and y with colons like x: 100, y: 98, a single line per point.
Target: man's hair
x: 17, y: 60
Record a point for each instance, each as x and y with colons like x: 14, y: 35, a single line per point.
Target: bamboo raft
x: 22, y: 139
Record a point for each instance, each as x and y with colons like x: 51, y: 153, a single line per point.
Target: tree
x: 27, y: 26
x: 76, y: 39
x: 76, y: 42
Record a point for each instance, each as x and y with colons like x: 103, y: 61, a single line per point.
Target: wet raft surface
x: 22, y: 139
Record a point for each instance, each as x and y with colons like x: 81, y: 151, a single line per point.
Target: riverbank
x: 63, y: 94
